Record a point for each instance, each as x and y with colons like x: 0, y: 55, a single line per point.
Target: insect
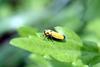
x: 50, y: 34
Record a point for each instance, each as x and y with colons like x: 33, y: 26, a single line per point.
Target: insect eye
x: 47, y: 33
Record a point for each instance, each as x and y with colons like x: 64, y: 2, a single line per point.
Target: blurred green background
x: 82, y: 16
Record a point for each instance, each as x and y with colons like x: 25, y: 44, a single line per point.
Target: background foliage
x: 22, y: 23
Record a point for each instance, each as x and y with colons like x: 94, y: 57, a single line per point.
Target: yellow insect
x: 54, y: 35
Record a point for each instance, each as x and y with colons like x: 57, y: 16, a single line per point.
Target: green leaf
x: 96, y: 65
x: 26, y: 31
x: 89, y: 52
x: 79, y: 63
x: 37, y: 61
x: 67, y: 51
x: 91, y: 32
x: 90, y: 46
x: 94, y: 27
